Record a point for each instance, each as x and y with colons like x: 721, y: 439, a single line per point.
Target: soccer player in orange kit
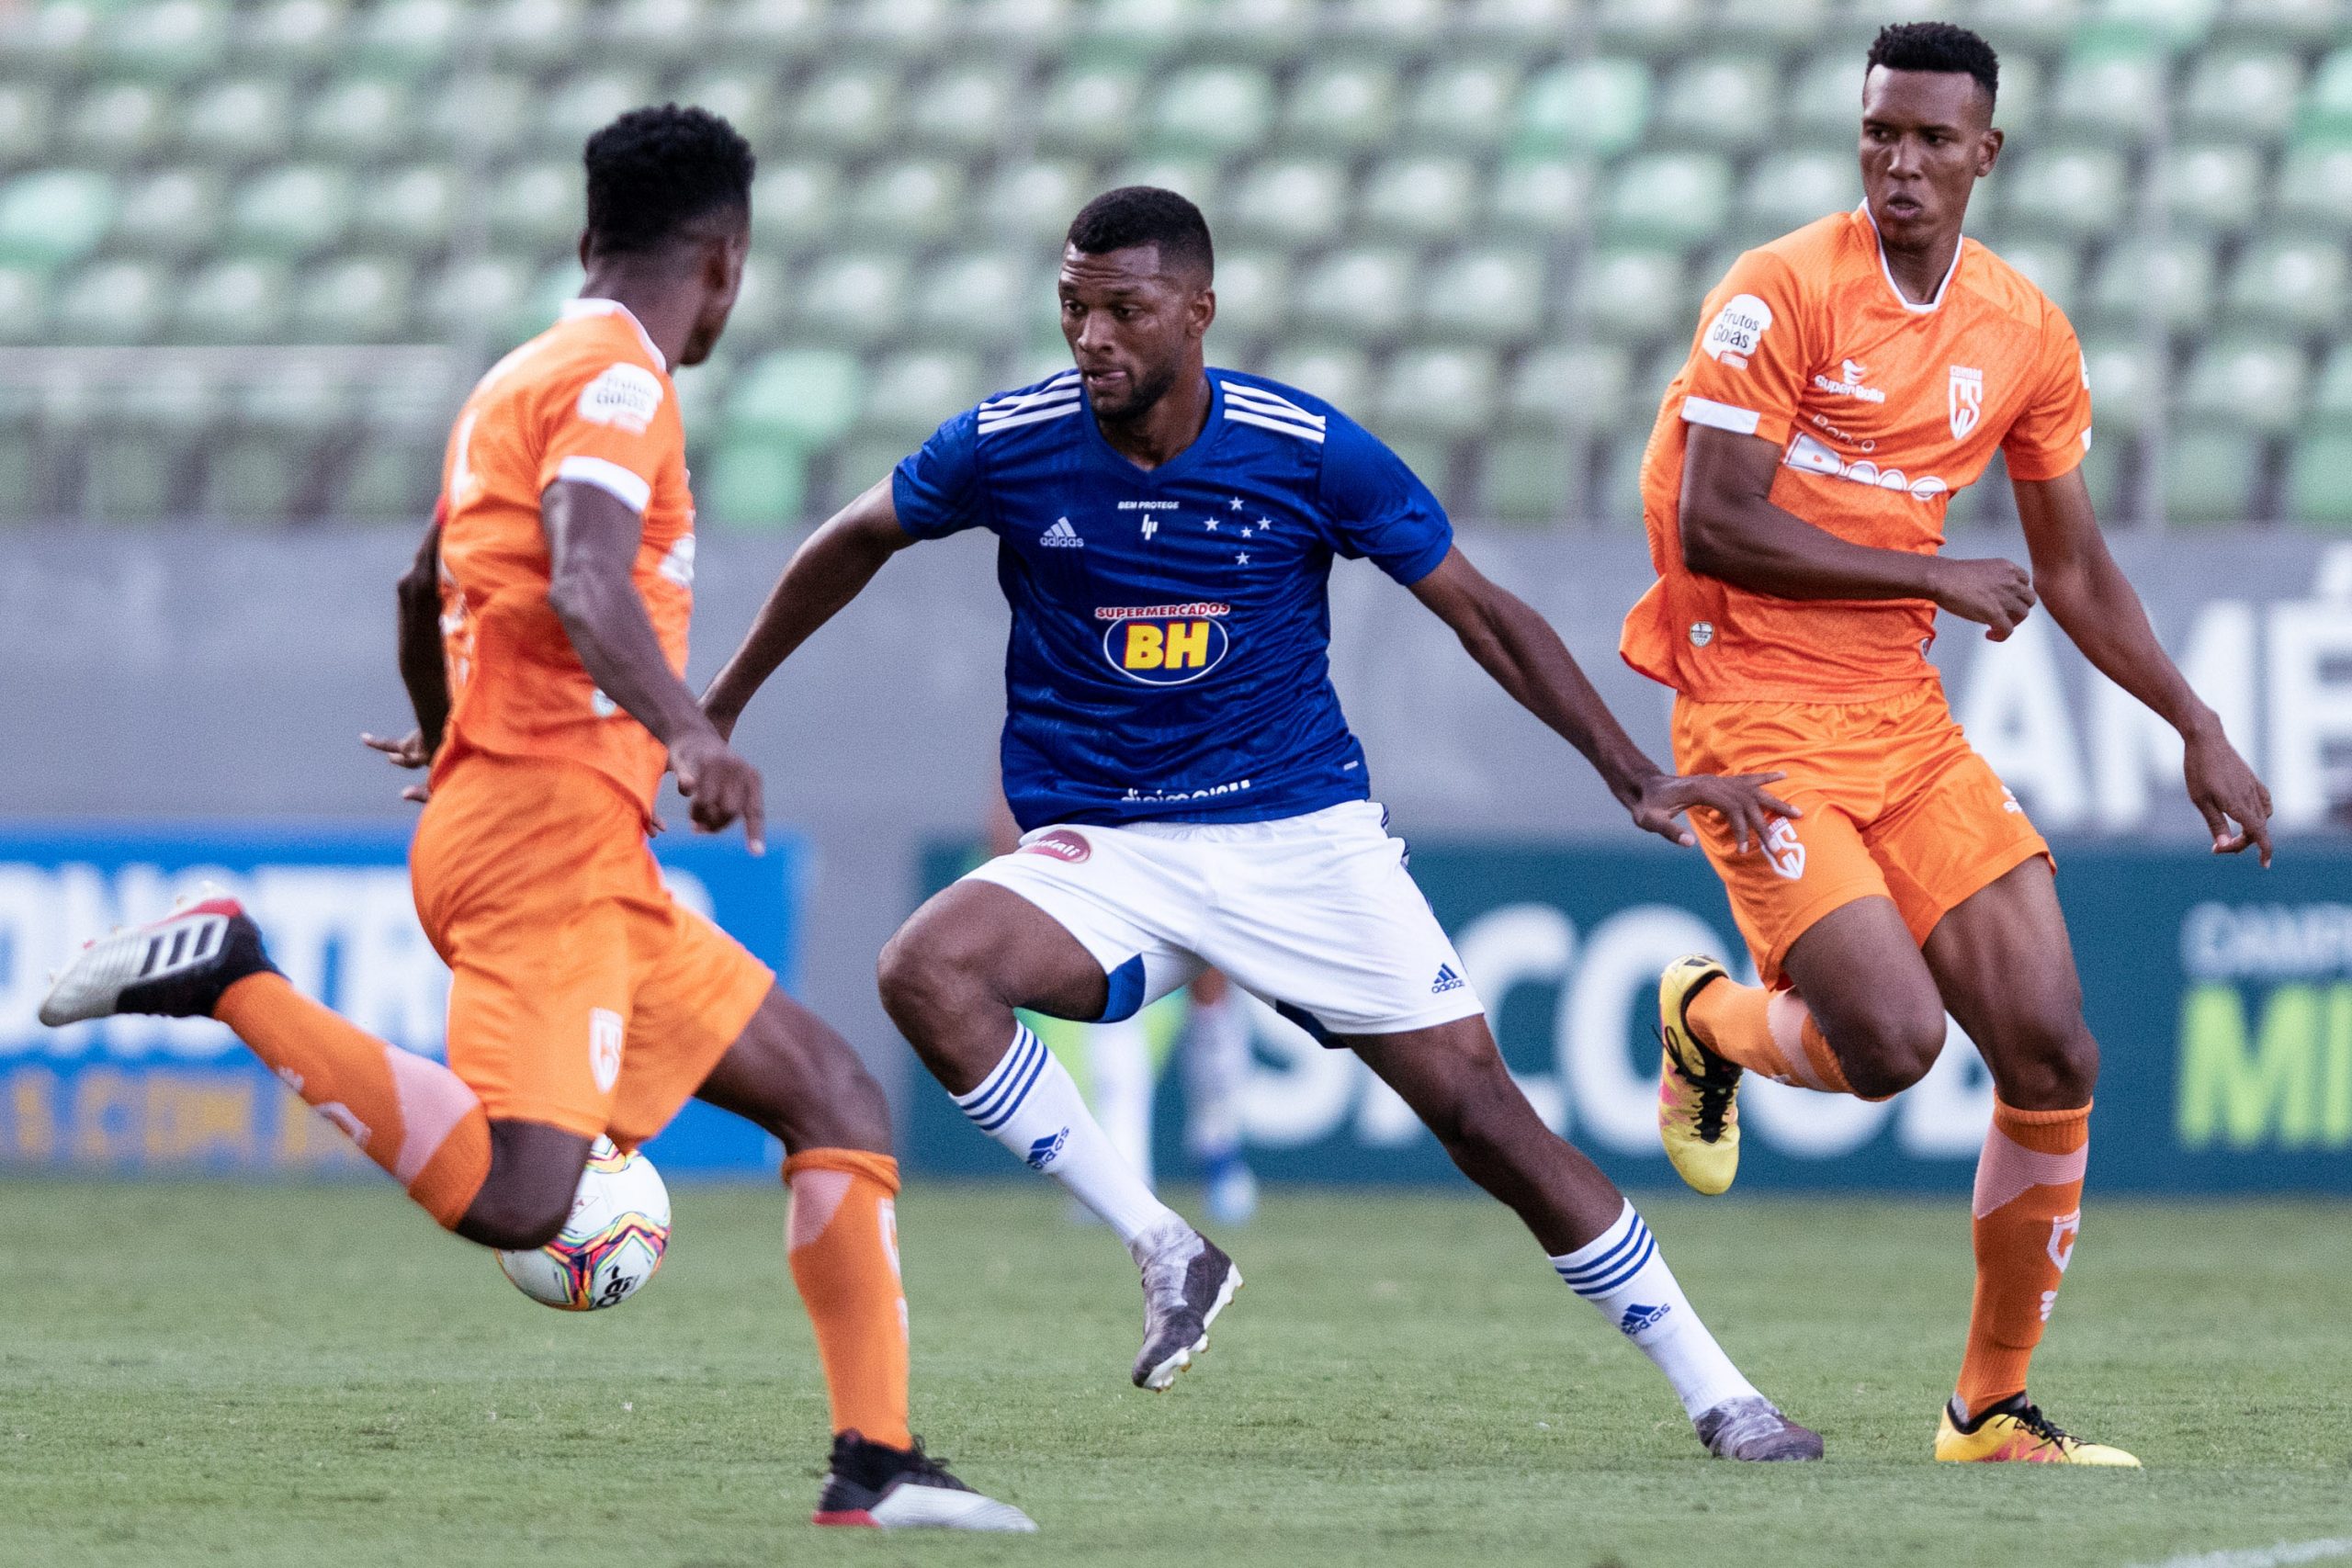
x: 585, y: 1001
x: 1844, y: 381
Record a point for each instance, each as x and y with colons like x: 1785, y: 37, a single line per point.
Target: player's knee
x: 2055, y: 1067
x: 518, y: 1212
x: 1900, y: 1044
x: 921, y: 971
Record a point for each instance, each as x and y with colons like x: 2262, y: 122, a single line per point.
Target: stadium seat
x: 763, y: 306
x: 1615, y: 501
x: 2314, y: 189
x: 2055, y: 268
x: 240, y: 121
x: 54, y: 216
x: 755, y: 485
x: 356, y: 300
x: 1575, y: 386
x: 2247, y: 93
x: 2291, y: 283
x: 24, y: 307
x: 1347, y: 106
x: 1788, y: 190
x: 113, y: 301
x: 253, y: 478
x: 1720, y: 100
x: 1487, y: 295
x: 1252, y: 299
x: 777, y: 29
x: 802, y: 396
x: 1300, y: 201
x: 536, y: 205
x: 1543, y: 196
x: 2254, y: 384
x: 239, y: 301
x: 411, y: 209
x: 2319, y: 480
x: 408, y: 37
x: 1091, y: 108
x: 745, y: 99
x: 296, y: 210
x: 167, y: 39
x: 1823, y: 99
x: 909, y: 394
x: 1426, y: 198
x: 585, y: 104
x: 2214, y: 187
x: 1633, y: 295
x: 1363, y: 291
x: 2331, y: 402
x: 793, y: 205
x: 2111, y: 90
x: 1212, y: 110
x: 1264, y: 32
x: 2306, y: 23
x: 2077, y: 191
x: 297, y: 404
x: 2177, y: 24
x: 490, y: 120
x: 1599, y: 106
x: 966, y: 109
x: 1650, y: 27
x: 130, y: 476
x: 1676, y: 198
x: 27, y: 113
x: 1337, y: 372
x: 973, y: 297
x: 1531, y: 479
x: 535, y: 34
x: 855, y: 297
x: 365, y: 119
x: 1465, y: 104
x: 289, y: 35
x: 391, y: 480
x: 2175, y: 280
x: 2125, y: 383
x: 2028, y: 27
x: 847, y: 111
x: 1133, y: 30
x: 2211, y: 476
x: 118, y: 122
x: 476, y: 297
x: 2327, y: 100
x: 909, y: 202
x: 1036, y: 200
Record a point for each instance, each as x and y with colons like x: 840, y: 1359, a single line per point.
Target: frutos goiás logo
x: 1165, y: 645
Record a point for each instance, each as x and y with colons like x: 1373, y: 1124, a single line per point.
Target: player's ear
x: 1204, y: 311
x: 584, y: 248
x: 1989, y: 151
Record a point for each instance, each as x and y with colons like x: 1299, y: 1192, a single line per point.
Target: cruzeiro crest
x: 1966, y: 400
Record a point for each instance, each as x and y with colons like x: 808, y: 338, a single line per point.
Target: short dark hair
x: 1144, y: 215
x: 1938, y: 46
x: 654, y: 171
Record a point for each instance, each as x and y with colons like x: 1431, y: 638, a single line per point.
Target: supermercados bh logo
x: 1165, y: 645
x: 2266, y: 1028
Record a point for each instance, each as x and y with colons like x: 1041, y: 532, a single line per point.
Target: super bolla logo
x: 1165, y: 645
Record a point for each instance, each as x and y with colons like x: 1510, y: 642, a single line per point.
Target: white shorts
x: 1316, y: 915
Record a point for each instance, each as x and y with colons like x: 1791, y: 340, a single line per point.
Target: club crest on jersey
x: 1966, y: 398
x: 1165, y: 645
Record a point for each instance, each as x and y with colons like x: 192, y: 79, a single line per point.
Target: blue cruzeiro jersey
x: 1169, y: 625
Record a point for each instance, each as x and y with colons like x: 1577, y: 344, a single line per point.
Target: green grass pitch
x: 205, y: 1373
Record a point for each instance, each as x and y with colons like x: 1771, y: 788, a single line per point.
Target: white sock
x: 1622, y: 1272
x: 1118, y: 1059
x: 1216, y: 1064
x: 1029, y: 1104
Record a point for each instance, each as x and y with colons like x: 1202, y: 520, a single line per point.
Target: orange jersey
x: 1882, y: 409
x: 587, y: 401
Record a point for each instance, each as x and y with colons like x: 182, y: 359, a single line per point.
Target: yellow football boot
x: 1697, y: 1091
x: 2015, y: 1431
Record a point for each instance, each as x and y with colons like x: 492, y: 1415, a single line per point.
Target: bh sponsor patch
x: 1165, y: 646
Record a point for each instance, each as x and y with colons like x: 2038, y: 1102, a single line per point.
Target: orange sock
x: 413, y: 1117
x: 843, y: 1243
x: 1766, y: 1031
x: 2028, y: 1211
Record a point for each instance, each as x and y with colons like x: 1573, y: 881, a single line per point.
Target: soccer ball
x: 612, y: 1242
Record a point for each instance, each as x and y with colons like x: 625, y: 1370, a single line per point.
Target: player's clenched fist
x: 1742, y: 801
x: 1994, y: 592
x: 721, y: 786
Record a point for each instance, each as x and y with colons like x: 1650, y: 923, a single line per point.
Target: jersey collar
x: 577, y: 309
x: 1878, y: 249
x: 1211, y: 428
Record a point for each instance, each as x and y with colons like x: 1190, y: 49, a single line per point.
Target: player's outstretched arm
x: 1527, y: 658
x: 832, y: 567
x: 421, y: 670
x: 1732, y: 531
x: 2096, y: 604
x: 593, y: 540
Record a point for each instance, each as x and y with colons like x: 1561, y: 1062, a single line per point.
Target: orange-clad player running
x: 1844, y: 382
x: 544, y: 645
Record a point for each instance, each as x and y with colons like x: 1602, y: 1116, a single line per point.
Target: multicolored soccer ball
x: 611, y: 1244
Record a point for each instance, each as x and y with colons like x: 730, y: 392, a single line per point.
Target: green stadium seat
x: 357, y: 300
x: 1487, y: 296
x: 2024, y: 26
x: 1195, y: 178
x: 1668, y: 197
x: 793, y: 205
x: 2211, y: 476
x: 2079, y: 192
x: 169, y: 212
x: 534, y: 34
x: 24, y: 305
x: 2111, y: 91
x: 847, y: 111
x: 755, y: 485
x: 1771, y: 27
x: 1718, y: 100
x: 472, y: 298
x: 118, y: 122
x: 2125, y: 384
x: 412, y: 208
x: 586, y: 104
x: 295, y: 404
x: 855, y: 297
x: 291, y: 36
x: 1366, y: 292
x: 1651, y: 27
x: 28, y: 112
x: 1614, y: 504
x: 1632, y: 295
x: 1337, y: 372
x: 2247, y: 93
x: 2214, y: 187
x: 2053, y: 267
x: 1600, y: 105
x: 1091, y: 108
x: 919, y: 199
x: 2327, y: 100
x: 1788, y: 190
x: 1398, y: 26
x: 113, y: 301
x: 1133, y: 30
x: 2310, y: 23
x: 54, y: 216
x: 745, y: 99
x: 1212, y: 110
x: 1824, y: 99
x: 2246, y: 384
x: 167, y: 39
x: 2332, y: 404
x: 763, y: 306
x: 544, y: 297
x: 490, y: 120
x: 535, y: 205
x: 2319, y: 480
x: 774, y: 30
x: 973, y: 297
x: 1036, y: 200
x: 2177, y: 24
x: 411, y: 37
x: 1530, y: 480
x: 1253, y: 294
x: 1301, y: 201
x: 234, y: 301
x: 910, y: 394
x: 1464, y: 104
x: 254, y: 478
x: 803, y: 397
x: 239, y: 121
x: 389, y: 480
x: 366, y: 119
x: 1346, y: 106
x: 1536, y: 195
x: 1568, y: 386
x: 1523, y: 25
x: 966, y: 109
x: 1419, y: 198
x: 1443, y: 392
x: 2314, y: 189
x: 2290, y: 283
x: 22, y: 489
x: 1264, y: 32
x: 2105, y: 468
x: 2175, y: 280
x: 296, y: 210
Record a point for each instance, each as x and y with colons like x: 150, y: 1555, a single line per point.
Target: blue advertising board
x: 168, y: 1094
x: 2221, y: 994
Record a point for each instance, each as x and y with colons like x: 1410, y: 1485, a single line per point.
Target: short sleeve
x: 2051, y: 435
x: 613, y: 425
x: 1379, y: 508
x: 1748, y: 365
x: 936, y: 488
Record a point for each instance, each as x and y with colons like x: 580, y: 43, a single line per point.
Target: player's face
x: 1133, y: 327
x: 1927, y: 138
x: 721, y: 278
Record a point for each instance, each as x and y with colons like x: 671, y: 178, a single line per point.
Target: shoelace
x: 1714, y: 1093
x: 2040, y: 1426
x: 931, y: 1467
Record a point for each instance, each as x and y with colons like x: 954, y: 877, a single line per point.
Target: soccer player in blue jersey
x: 1189, y: 793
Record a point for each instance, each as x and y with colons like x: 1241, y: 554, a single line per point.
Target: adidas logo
x: 1638, y: 1318
x: 1042, y: 1152
x: 1061, y: 535
x: 1447, y: 980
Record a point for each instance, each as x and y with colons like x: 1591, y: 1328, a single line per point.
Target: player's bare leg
x: 951, y: 979
x: 1453, y: 1078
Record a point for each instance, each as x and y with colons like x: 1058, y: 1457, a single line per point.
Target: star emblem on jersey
x: 1212, y: 523
x: 1242, y: 559
x: 1235, y: 505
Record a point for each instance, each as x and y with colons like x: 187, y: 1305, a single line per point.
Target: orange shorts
x: 582, y: 994
x: 1897, y: 805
